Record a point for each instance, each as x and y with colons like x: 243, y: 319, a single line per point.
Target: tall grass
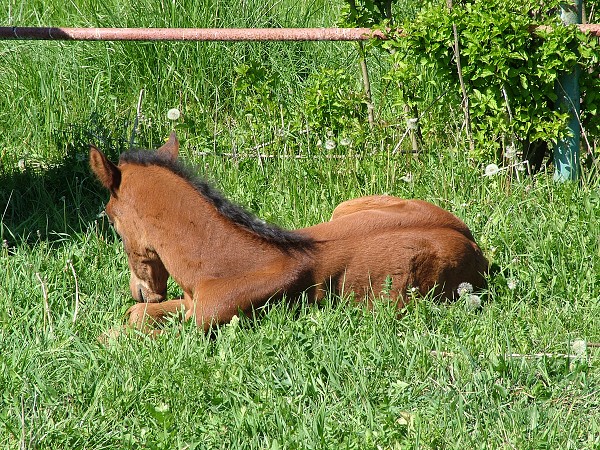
x: 305, y: 376
x: 51, y: 86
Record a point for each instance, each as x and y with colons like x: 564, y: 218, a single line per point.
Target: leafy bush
x: 333, y: 104
x: 509, y: 71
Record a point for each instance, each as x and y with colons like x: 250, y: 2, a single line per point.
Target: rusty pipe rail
x: 188, y: 34
x: 592, y: 28
x: 212, y: 34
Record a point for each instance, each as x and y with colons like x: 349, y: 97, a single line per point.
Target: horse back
x: 394, y: 212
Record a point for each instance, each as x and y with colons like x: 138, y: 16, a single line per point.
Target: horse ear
x: 108, y: 174
x: 170, y: 149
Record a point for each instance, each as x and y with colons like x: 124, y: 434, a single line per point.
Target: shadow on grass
x: 42, y: 200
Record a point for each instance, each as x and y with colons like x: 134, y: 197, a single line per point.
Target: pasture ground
x: 328, y: 376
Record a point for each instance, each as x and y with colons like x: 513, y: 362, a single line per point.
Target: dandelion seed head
x: 579, y: 347
x: 345, y: 141
x: 412, y: 123
x: 510, y: 152
x: 173, y: 114
x: 407, y: 178
x: 512, y: 284
x: 464, y: 288
x: 491, y: 169
x: 329, y: 144
x: 474, y: 301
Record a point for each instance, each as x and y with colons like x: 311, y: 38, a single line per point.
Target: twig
x: 444, y: 354
x: 364, y: 70
x: 412, y: 125
x: 366, y: 83
x: 418, y: 119
x: 272, y: 156
x: 397, y: 146
x: 7, y: 203
x: 462, y: 83
x: 22, y: 443
x: 543, y: 355
x: 46, y: 306
x: 70, y: 264
x: 504, y: 93
x: 136, y: 122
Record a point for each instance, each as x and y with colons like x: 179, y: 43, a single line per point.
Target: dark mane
x: 235, y: 213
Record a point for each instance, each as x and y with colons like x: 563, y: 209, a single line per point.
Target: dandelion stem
x: 46, y: 306
x: 136, y: 122
x: 76, y: 291
x: 366, y: 83
x: 465, y: 102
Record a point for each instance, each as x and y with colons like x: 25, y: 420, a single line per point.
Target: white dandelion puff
x: 491, y: 169
x: 345, y: 141
x: 510, y: 152
x: 474, y: 301
x: 173, y: 114
x: 412, y: 123
x: 329, y: 144
x: 464, y: 288
x: 512, y: 284
x: 579, y: 347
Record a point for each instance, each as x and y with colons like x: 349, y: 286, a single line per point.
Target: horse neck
x: 187, y: 232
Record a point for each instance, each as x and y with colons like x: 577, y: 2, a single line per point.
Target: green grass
x: 328, y: 376
x: 333, y: 376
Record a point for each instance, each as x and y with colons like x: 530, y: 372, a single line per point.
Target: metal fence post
x: 566, y: 87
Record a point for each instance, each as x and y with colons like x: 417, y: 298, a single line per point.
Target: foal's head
x: 148, y: 281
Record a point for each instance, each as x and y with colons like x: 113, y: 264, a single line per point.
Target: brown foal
x: 226, y: 261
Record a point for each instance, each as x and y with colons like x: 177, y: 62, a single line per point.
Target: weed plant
x: 304, y: 376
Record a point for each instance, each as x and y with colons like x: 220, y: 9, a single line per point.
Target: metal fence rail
x: 188, y: 34
x: 209, y: 34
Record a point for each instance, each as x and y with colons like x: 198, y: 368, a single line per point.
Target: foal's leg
x: 218, y: 300
x: 144, y: 315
